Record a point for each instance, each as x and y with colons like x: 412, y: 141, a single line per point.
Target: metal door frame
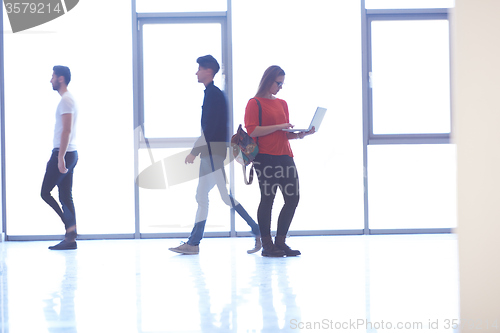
x: 139, y: 20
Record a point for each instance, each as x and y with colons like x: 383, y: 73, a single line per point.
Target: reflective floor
x: 403, y: 283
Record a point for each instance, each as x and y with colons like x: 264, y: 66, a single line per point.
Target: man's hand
x: 189, y: 159
x: 61, y: 164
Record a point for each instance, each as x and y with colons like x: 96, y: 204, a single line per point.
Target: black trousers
x: 276, y: 172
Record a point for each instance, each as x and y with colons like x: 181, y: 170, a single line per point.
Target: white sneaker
x: 185, y: 248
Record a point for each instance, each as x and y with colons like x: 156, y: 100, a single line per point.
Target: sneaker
x: 258, y: 245
x: 185, y: 248
x: 64, y: 245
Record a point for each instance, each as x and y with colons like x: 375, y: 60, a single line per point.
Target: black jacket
x: 214, y: 123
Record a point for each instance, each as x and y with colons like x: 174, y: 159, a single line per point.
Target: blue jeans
x: 211, y: 174
x: 64, y: 183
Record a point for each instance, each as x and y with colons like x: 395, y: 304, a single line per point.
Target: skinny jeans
x: 276, y: 172
x: 64, y: 183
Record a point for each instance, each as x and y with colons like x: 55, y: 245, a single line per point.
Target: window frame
x: 141, y: 141
x: 397, y: 15
x: 369, y: 138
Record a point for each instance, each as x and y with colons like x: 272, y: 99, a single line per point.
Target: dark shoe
x: 272, y: 252
x: 64, y: 245
x: 269, y: 249
x: 280, y: 244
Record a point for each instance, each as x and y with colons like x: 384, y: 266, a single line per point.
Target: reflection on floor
x: 403, y: 283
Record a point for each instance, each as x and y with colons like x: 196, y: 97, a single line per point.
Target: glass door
x: 330, y: 162
x: 170, y: 114
x: 103, y: 188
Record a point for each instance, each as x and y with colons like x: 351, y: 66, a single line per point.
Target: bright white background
x: 411, y: 76
x: 97, y: 46
x: 172, y: 94
x: 158, y: 6
x: 412, y: 186
x: 399, y: 4
x: 319, y: 48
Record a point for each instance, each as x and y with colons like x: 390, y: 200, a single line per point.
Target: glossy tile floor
x: 403, y: 283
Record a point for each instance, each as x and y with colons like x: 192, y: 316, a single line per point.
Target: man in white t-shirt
x: 63, y: 160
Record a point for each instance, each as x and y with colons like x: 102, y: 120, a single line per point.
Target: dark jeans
x: 276, y: 172
x: 64, y: 183
x: 212, y: 174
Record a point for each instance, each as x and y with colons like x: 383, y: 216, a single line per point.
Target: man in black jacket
x: 212, y: 148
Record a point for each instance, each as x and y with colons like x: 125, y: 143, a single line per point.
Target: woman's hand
x: 301, y: 135
x: 284, y: 126
x: 312, y: 131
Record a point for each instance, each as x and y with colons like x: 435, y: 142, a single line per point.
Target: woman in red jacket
x: 274, y: 164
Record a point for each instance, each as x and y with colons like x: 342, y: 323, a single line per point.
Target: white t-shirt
x: 66, y: 105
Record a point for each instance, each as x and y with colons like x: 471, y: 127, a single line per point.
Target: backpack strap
x: 260, y: 115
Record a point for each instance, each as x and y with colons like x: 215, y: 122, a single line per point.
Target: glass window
x: 102, y: 86
x: 172, y: 94
x: 402, y: 4
x: 410, y: 76
x: 151, y: 6
x: 173, y: 209
x: 329, y: 162
x: 412, y: 186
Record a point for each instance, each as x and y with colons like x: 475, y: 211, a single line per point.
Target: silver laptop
x: 315, y: 122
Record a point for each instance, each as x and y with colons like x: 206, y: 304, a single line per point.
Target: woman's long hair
x: 268, y: 79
